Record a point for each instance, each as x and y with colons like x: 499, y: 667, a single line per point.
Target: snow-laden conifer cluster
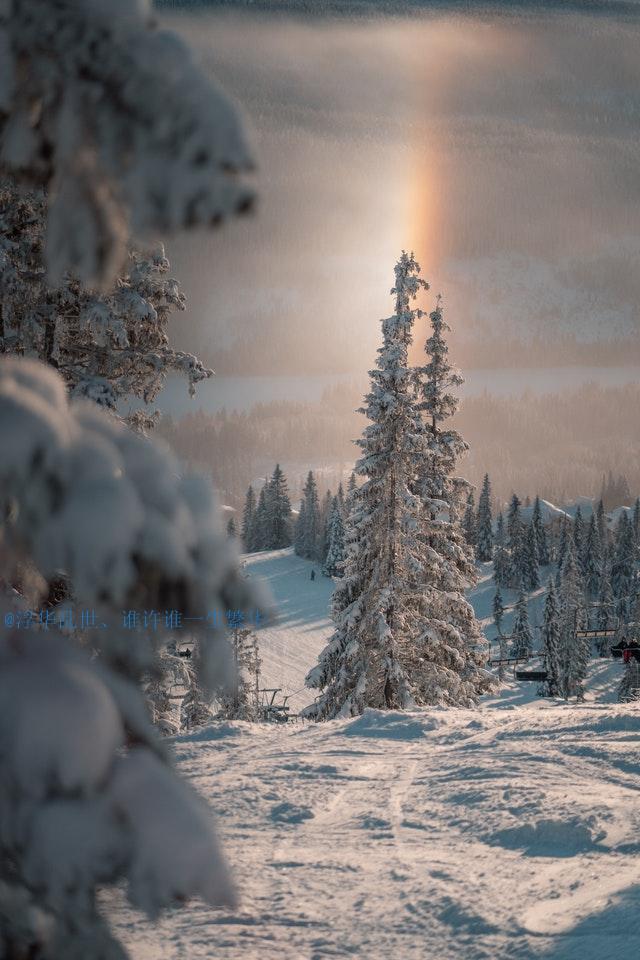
x: 78, y: 810
x: 404, y: 634
x: 107, y: 346
x: 115, y: 119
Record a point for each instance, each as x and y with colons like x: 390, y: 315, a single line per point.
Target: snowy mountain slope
x: 290, y: 646
x: 442, y: 835
x: 508, y: 832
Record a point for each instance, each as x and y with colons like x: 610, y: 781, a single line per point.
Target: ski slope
x: 508, y: 832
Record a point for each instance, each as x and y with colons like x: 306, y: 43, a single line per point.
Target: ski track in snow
x: 511, y: 831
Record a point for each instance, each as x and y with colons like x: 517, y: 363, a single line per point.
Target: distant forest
x: 559, y: 445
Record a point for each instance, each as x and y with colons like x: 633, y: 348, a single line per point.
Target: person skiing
x: 313, y: 574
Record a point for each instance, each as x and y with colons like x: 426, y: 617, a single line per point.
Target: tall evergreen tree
x: 622, y: 569
x: 592, y: 559
x: 404, y: 632
x: 565, y: 534
x: 551, y: 643
x: 248, y: 520
x: 636, y: 523
x: 574, y: 651
x: 578, y: 535
x: 325, y: 527
x: 277, y: 512
x: 484, y: 529
x: 514, y: 519
x: 530, y: 559
x: 300, y: 529
x: 260, y: 523
x: 501, y: 560
x: 498, y: 609
x: 333, y: 565
x: 312, y: 526
x: 522, y: 644
x: 601, y: 522
x: 544, y: 556
x: 469, y: 520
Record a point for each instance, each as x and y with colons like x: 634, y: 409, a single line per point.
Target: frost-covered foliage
x: 484, y: 523
x: 107, y: 347
x: 404, y: 633
x: 551, y: 643
x: 629, y: 688
x: 522, y: 645
x: 334, y: 561
x: 87, y: 793
x: 115, y: 120
x: 271, y: 523
x: 240, y: 698
x: 574, y: 651
x: 308, y: 528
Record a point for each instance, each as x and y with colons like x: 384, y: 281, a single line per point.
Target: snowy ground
x: 510, y: 831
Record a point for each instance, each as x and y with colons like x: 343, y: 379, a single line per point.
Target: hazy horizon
x: 503, y: 149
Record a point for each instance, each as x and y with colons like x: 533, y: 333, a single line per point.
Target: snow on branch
x: 113, y: 117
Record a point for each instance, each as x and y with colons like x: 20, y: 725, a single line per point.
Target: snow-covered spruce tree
x: 116, y: 122
x: 195, y: 706
x: 310, y: 524
x: 544, y: 555
x: 78, y: 755
x: 530, y: 559
x: 333, y: 565
x: 299, y: 529
x: 522, y: 643
x: 575, y: 652
x: 240, y: 699
x: 109, y: 347
x: 592, y: 559
x: 501, y: 560
x: 565, y: 534
x: 578, y: 535
x: 514, y: 518
x: 469, y: 527
x: 601, y: 521
x: 622, y: 568
x: 629, y: 687
x: 404, y: 633
x: 248, y: 520
x: 551, y: 643
x: 498, y: 617
x: 484, y: 523
x: 260, y: 529
x: 325, y: 520
x: 232, y: 532
x: 275, y: 521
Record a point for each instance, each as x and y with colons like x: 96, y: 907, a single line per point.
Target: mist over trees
x: 558, y: 445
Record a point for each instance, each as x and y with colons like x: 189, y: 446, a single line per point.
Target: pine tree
x: 241, y: 699
x: 578, y: 535
x: 232, y: 533
x: 592, y: 559
x: 277, y: 512
x: 564, y: 541
x: 498, y: 616
x: 404, y: 632
x: 333, y: 565
x: 341, y: 500
x: 261, y: 534
x: 501, y: 559
x: 110, y: 346
x: 484, y: 547
x: 574, y: 651
x: 522, y: 645
x: 311, y: 531
x: 249, y: 521
x: 544, y: 556
x: 325, y: 522
x: 623, y: 561
x: 518, y: 570
x: 469, y: 520
x: 601, y: 521
x: 629, y: 688
x: 530, y: 559
x: 514, y: 519
x: 551, y: 643
x: 300, y: 529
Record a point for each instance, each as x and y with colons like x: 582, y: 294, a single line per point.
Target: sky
x: 503, y: 149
